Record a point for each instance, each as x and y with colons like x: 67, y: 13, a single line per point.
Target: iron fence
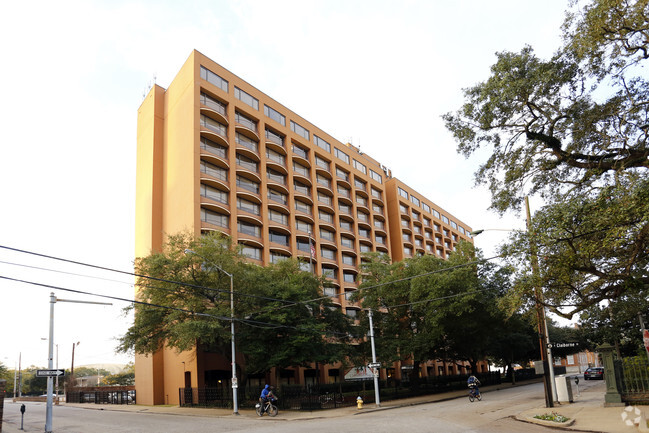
x: 632, y: 378
x: 101, y: 395
x: 333, y: 395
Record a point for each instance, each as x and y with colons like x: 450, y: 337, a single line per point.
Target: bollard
x: 359, y: 402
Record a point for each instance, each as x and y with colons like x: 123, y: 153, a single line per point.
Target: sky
x: 378, y: 74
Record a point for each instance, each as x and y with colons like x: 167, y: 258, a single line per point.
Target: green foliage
x: 552, y: 417
x: 572, y: 129
x: 125, y: 377
x: 429, y: 308
x: 281, y: 317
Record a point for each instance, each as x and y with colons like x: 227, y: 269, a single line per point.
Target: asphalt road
x: 492, y: 414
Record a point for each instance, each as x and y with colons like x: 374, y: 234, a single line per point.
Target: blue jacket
x: 264, y: 392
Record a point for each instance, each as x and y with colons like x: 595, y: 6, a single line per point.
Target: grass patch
x: 552, y: 417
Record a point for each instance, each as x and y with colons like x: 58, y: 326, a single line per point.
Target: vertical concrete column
x: 612, y: 396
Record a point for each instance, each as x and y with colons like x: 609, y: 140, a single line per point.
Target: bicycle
x: 266, y: 407
x: 474, y: 393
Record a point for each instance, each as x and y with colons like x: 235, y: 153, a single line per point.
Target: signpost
x: 50, y: 373
x: 374, y: 365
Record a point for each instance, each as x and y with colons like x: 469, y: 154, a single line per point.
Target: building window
x: 277, y: 257
x: 403, y: 193
x: 274, y: 137
x: 361, y: 200
x: 246, y: 98
x: 275, y: 115
x: 418, y: 243
x: 302, y: 207
x: 445, y: 219
x: 303, y: 226
x: 377, y: 177
x: 345, y: 208
x: 276, y: 157
x: 329, y: 291
x: 346, y: 242
x: 248, y: 206
x: 345, y: 225
x: 341, y: 155
x: 214, y: 170
x: 246, y: 142
x: 407, y: 251
x: 415, y: 200
x: 362, y: 216
x: 214, y: 126
x: 377, y: 208
x: 299, y: 130
x: 277, y: 217
x: 328, y: 253
x: 438, y: 228
x: 403, y: 208
x: 417, y: 229
x: 406, y: 237
x: 211, y: 77
x: 416, y: 215
x: 379, y: 224
x: 247, y: 184
x: 326, y: 234
x: 214, y: 148
x: 427, y: 221
x: 247, y: 163
x: 251, y: 252
x: 351, y: 313
x: 462, y: 230
x: 276, y: 176
x: 303, y: 245
x: 215, y: 218
x: 330, y: 273
x: 302, y: 153
x: 300, y: 169
x: 405, y: 222
x: 278, y: 238
x: 454, y: 225
x: 435, y: 214
x: 323, y: 198
x: 426, y: 207
x: 429, y: 235
x: 344, y: 192
x: 301, y: 188
x: 245, y: 121
x: 359, y: 184
x: 365, y: 248
x: 360, y: 167
x: 364, y: 233
x: 214, y: 194
x: 321, y: 180
x: 376, y: 193
x: 321, y: 143
x: 322, y: 163
x: 342, y: 174
x: 277, y: 196
x: 212, y: 103
x: 380, y: 239
x: 348, y: 277
x: 349, y: 260
x: 325, y: 216
x: 248, y: 228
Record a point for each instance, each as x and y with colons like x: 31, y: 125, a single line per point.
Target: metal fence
x: 333, y: 395
x: 632, y: 378
x: 102, y: 395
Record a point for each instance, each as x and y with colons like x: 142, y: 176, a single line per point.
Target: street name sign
x: 49, y: 373
x: 374, y: 365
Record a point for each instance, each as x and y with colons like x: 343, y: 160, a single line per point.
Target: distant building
x: 215, y: 153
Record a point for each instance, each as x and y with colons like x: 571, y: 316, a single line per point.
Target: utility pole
x: 546, y: 355
x: 377, y: 398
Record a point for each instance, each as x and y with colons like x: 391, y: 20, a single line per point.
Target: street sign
x: 374, y: 365
x: 562, y: 345
x: 49, y: 373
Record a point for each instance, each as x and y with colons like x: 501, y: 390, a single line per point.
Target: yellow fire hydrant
x: 359, y: 402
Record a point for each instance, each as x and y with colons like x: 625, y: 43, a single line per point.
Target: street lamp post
x: 235, y: 385
x: 546, y: 353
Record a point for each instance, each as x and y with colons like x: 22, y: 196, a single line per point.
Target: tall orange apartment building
x: 215, y: 153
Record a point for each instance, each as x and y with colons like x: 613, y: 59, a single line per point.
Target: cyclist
x: 473, y: 383
x: 266, y: 395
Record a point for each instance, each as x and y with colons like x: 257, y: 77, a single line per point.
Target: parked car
x: 594, y: 373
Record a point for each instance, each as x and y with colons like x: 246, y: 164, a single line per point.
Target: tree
x: 281, y: 317
x: 574, y: 130
x: 125, y: 377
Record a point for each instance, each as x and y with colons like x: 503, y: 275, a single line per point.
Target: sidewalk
x: 587, y: 413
